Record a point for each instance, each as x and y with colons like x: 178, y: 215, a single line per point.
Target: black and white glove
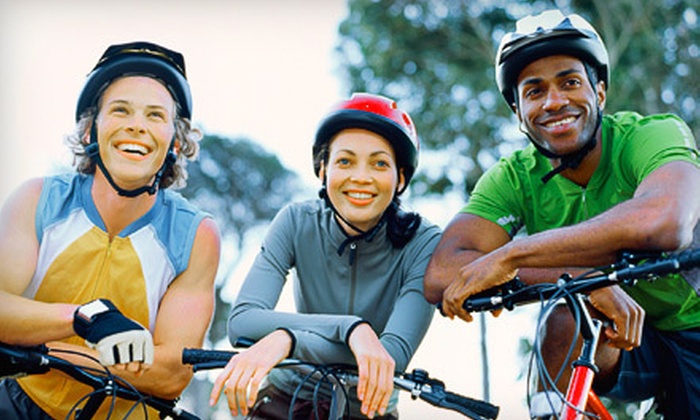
x: 116, y: 338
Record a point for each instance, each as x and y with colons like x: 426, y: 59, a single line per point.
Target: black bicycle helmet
x: 380, y: 115
x: 548, y: 33
x: 134, y: 59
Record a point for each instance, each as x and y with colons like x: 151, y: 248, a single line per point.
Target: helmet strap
x: 570, y: 160
x: 93, y: 151
x: 366, y: 235
x: 323, y: 193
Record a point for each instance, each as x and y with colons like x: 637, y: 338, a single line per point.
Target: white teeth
x: 561, y: 122
x: 132, y: 148
x: 359, y: 196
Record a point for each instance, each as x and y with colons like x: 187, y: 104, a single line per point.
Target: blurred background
x: 263, y: 73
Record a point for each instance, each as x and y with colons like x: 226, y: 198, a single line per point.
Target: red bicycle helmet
x: 380, y: 115
x: 548, y: 33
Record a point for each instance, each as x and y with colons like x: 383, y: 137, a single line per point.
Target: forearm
x: 167, y: 377
x: 312, y: 347
x: 28, y: 322
x: 407, y: 326
x: 254, y: 323
x: 632, y: 225
x: 548, y: 275
x: 158, y: 380
x: 444, y: 268
x: 467, y: 238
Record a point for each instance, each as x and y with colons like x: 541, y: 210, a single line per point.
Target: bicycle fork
x: 580, y: 395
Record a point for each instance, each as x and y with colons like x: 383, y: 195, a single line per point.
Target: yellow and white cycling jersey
x: 78, y: 262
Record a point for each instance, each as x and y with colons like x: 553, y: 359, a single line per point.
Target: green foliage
x: 242, y: 186
x: 239, y: 183
x: 436, y: 58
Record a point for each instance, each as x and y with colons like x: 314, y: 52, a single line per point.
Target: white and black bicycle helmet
x: 548, y: 33
x: 543, y: 35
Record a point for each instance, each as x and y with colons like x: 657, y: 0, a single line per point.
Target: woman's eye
x: 119, y: 110
x: 157, y: 115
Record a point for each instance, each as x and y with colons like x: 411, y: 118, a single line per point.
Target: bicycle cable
x: 112, y: 383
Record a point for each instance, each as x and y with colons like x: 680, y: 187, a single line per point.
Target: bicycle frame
x: 580, y: 396
x: 630, y: 268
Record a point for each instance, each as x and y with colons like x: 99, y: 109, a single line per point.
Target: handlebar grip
x: 685, y: 260
x: 469, y: 407
x: 184, y: 415
x: 197, y: 356
x: 481, y: 408
x: 481, y: 304
x: 23, y: 360
x: 661, y: 268
x: 689, y: 259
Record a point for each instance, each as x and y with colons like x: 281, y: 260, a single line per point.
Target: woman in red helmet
x: 358, y: 262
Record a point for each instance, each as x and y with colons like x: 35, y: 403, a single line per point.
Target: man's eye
x: 532, y: 92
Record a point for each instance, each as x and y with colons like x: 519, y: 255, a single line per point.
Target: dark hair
x: 401, y: 226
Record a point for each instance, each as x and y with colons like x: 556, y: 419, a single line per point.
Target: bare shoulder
x: 18, y: 242
x: 21, y: 205
x: 208, y: 235
x: 204, y: 260
x: 26, y: 194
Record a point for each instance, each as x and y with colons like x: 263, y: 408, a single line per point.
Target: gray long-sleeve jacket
x: 334, y: 288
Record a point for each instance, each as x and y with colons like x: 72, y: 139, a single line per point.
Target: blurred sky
x: 262, y: 69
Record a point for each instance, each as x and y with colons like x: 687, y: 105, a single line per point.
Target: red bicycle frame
x: 580, y: 397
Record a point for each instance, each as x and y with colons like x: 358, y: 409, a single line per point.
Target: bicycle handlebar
x: 626, y: 271
x: 17, y: 361
x: 418, y: 382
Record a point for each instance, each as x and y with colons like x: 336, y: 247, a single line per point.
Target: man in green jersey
x: 588, y: 187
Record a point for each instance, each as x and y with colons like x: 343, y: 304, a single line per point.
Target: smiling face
x: 135, y: 125
x: 557, y: 105
x: 361, y: 177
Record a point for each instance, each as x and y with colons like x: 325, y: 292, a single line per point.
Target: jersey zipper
x: 100, y: 274
x: 353, y: 276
